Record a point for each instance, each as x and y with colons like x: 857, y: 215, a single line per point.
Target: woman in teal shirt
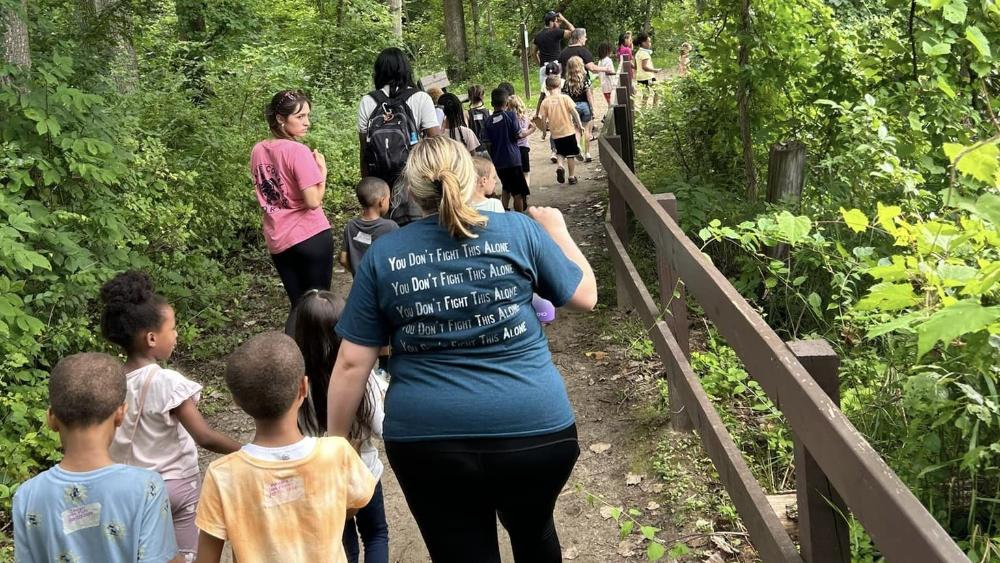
x: 478, y: 423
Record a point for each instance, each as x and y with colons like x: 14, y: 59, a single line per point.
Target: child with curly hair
x: 162, y: 424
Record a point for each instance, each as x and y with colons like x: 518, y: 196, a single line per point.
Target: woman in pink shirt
x: 290, y: 181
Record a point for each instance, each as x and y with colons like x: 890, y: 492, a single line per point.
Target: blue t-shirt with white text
x: 469, y: 357
x: 115, y: 514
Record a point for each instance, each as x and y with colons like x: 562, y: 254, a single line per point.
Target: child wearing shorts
x: 503, y: 132
x: 516, y: 105
x: 558, y: 113
x: 162, y: 425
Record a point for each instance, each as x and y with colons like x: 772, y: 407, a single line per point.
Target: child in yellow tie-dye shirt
x: 283, y: 497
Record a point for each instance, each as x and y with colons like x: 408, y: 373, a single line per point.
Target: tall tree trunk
x: 340, y: 12
x: 396, y: 11
x: 647, y: 24
x: 14, y: 37
x: 743, y: 95
x: 111, y: 21
x: 474, y: 4
x: 454, y: 30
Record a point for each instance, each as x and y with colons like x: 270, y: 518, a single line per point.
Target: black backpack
x: 391, y: 132
x: 477, y: 122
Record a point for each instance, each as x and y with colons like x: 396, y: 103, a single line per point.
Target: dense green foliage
x: 895, y: 243
x: 107, y: 165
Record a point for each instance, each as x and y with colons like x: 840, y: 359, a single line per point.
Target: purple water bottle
x: 544, y: 309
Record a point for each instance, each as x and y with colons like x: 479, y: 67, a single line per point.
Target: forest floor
x: 629, y: 458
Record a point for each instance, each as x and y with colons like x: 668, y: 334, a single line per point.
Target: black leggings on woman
x: 306, y: 265
x: 457, y: 488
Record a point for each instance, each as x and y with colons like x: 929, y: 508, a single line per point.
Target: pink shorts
x: 184, y: 495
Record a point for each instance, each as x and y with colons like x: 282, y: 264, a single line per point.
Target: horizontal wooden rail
x: 899, y: 524
x: 766, y: 532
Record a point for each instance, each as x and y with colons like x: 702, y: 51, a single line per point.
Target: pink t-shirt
x: 280, y: 170
x: 160, y: 442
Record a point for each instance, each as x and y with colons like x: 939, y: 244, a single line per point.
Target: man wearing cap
x: 548, y: 42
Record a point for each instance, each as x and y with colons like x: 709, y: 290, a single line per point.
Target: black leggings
x: 457, y: 488
x: 306, y: 265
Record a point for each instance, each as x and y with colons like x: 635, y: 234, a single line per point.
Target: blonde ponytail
x: 441, y: 177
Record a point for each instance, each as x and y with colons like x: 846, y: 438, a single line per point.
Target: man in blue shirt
x: 87, y: 508
x: 502, y: 131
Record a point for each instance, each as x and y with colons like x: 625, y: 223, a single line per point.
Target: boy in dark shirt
x: 359, y: 233
x: 502, y: 131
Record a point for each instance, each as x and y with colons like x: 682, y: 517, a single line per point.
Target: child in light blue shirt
x: 88, y: 509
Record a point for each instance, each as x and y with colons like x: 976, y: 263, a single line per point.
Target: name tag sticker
x: 363, y: 238
x: 81, y: 517
x: 284, y: 491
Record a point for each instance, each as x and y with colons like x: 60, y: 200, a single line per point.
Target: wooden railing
x: 837, y: 471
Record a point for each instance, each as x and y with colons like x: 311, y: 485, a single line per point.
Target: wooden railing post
x: 618, y: 212
x: 823, y: 531
x: 673, y: 305
x: 623, y: 124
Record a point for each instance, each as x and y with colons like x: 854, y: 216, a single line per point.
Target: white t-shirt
x: 420, y: 105
x: 489, y: 204
x: 291, y: 452
x: 160, y: 443
x: 607, y: 80
x: 368, y: 452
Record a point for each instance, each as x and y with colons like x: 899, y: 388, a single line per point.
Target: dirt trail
x: 601, y: 381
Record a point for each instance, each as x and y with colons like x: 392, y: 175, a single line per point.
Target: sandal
x: 572, y: 179
x: 561, y: 175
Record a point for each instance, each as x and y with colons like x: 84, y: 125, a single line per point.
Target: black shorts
x: 566, y: 146
x: 525, y: 161
x: 513, y: 180
x: 648, y: 83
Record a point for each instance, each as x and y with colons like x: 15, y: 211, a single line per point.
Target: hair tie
x: 438, y: 185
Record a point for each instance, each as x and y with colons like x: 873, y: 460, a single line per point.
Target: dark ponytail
x: 316, y: 316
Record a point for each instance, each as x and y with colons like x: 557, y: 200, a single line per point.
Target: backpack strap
x: 402, y: 96
x: 138, y: 413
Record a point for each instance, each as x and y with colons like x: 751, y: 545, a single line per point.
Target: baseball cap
x: 551, y: 16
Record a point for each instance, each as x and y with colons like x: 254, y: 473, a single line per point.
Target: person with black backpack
x: 391, y: 119
x: 478, y: 114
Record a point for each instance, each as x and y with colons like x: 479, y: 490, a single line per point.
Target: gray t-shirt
x: 359, y: 234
